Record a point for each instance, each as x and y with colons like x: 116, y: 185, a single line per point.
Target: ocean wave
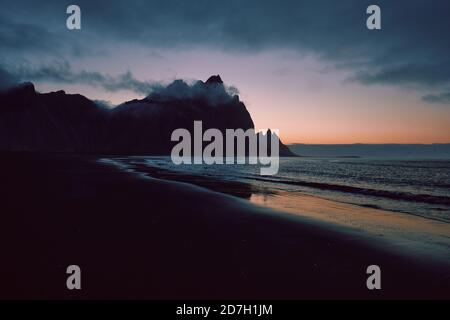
x: 395, y: 195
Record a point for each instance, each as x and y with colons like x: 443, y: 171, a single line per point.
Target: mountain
x: 53, y: 121
x: 284, y: 151
x: 58, y: 121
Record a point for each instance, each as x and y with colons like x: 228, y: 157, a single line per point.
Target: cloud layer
x: 411, y: 49
x: 442, y: 98
x: 62, y: 73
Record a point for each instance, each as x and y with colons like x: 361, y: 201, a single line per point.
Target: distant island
x: 359, y: 150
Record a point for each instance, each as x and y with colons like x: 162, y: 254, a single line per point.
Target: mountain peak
x: 26, y: 86
x: 214, y: 80
x: 22, y: 89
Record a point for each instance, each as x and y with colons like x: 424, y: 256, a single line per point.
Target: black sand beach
x: 142, y: 238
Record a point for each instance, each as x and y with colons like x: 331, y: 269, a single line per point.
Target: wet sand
x: 136, y: 237
x: 427, y: 238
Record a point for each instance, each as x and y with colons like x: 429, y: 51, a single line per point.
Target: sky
x: 310, y: 69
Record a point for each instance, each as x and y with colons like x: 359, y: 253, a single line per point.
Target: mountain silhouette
x: 53, y: 121
x: 214, y: 80
x: 58, y: 121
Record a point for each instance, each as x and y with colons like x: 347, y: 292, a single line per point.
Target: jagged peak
x: 215, y: 79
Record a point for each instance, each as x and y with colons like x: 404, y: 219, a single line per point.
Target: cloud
x: 23, y: 36
x: 442, y: 98
x: 429, y: 74
x: 411, y: 48
x: 215, y: 93
x: 6, y: 79
x: 61, y: 72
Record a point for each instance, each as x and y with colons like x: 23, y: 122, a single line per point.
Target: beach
x: 138, y: 237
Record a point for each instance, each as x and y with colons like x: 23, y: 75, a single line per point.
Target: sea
x: 411, y: 179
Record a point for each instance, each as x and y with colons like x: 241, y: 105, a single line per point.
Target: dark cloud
x: 214, y: 93
x: 411, y: 49
x: 430, y: 73
x: 6, y: 79
x: 105, y: 104
x: 22, y: 36
x: 61, y: 72
x: 442, y: 98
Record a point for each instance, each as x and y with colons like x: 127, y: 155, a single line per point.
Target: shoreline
x: 425, y: 236
x: 138, y: 238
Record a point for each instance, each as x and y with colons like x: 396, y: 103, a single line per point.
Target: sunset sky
x: 308, y: 68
